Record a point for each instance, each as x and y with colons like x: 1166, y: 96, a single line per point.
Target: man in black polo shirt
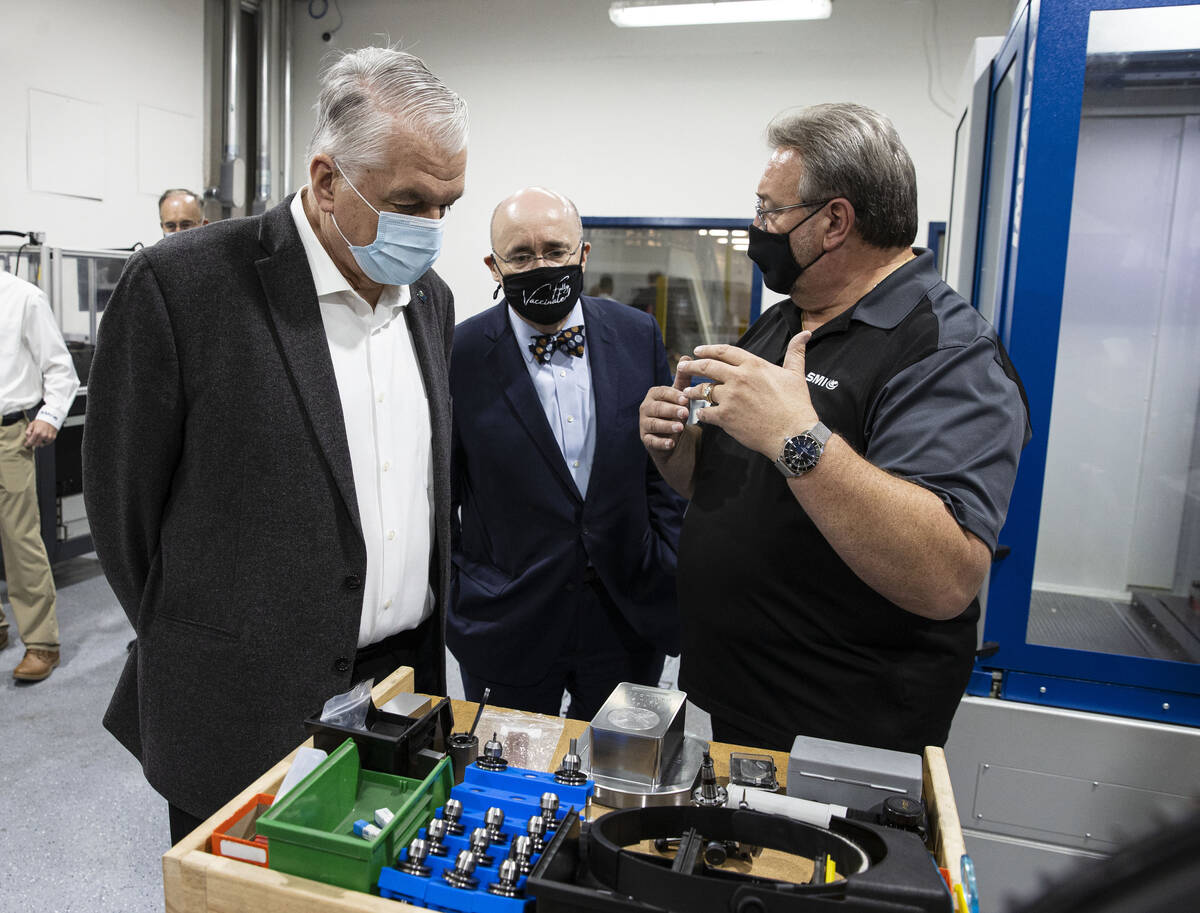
x: 851, y: 474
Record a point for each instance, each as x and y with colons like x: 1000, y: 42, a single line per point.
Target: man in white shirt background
x: 37, y: 386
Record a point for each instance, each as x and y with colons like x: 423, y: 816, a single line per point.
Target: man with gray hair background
x: 267, y: 444
x: 851, y: 472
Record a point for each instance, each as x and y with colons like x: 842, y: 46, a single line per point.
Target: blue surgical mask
x: 403, y: 249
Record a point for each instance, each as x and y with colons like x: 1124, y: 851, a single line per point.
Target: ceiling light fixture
x: 644, y: 14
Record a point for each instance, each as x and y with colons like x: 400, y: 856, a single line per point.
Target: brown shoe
x: 37, y: 665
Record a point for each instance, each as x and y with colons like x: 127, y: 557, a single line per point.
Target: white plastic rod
x: 804, y: 810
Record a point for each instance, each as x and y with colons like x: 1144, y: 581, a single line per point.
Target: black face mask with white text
x: 545, y: 295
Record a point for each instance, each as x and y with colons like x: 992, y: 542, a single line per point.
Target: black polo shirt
x: 780, y: 637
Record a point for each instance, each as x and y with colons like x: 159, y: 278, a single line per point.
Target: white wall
x: 119, y: 54
x: 650, y: 122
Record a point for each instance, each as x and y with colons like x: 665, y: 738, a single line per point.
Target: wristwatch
x: 801, y: 453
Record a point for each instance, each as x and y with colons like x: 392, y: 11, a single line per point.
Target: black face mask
x: 545, y: 295
x: 772, y: 252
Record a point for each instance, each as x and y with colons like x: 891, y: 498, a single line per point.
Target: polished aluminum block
x: 637, y: 733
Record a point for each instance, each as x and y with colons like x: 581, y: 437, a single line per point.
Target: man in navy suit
x: 564, y: 554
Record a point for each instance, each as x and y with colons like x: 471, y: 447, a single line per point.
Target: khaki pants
x: 30, y: 584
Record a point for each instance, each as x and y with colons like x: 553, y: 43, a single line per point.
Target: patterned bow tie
x: 569, y: 340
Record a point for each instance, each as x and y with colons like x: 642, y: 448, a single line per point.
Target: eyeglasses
x: 556, y: 256
x: 760, y: 214
x: 170, y: 227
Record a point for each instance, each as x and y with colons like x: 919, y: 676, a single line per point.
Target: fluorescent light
x: 722, y: 240
x: 637, y: 15
x: 717, y: 232
x: 1138, y: 30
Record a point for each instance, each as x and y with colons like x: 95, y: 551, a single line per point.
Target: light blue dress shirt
x: 564, y: 387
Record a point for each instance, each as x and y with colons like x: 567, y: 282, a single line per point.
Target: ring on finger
x: 706, y: 393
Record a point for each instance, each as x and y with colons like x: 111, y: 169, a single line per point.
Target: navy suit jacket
x: 525, y: 535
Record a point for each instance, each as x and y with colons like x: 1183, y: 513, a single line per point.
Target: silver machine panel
x: 1040, y: 789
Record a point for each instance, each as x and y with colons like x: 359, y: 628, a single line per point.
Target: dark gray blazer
x: 221, y: 500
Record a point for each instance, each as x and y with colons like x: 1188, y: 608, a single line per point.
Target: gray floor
x: 80, y: 830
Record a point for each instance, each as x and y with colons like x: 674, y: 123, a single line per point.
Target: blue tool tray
x: 518, y: 793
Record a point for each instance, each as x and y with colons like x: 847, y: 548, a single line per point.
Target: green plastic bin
x: 311, y: 829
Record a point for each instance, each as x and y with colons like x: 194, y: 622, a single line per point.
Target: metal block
x: 637, y: 733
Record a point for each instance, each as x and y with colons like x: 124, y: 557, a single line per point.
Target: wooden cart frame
x: 196, y: 881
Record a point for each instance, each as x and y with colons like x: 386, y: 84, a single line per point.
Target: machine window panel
x: 1118, y: 556
x: 1001, y: 151
x: 695, y: 281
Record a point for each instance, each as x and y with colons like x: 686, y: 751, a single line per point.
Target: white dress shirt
x: 34, y: 362
x: 564, y: 387
x: 386, y: 410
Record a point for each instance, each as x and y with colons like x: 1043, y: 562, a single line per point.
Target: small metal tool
x: 418, y: 851
x: 820, y: 865
x: 708, y: 794
x: 452, y: 812
x: 569, y: 772
x: 550, y: 810
x: 521, y: 852
x: 479, y: 846
x: 716, y: 852
x: 487, y: 692
x: 460, y: 876
x: 494, y: 819
x: 493, y: 756
x: 463, y: 749
x: 464, y: 746
x: 537, y: 830
x: 506, y: 884
x: 435, y: 834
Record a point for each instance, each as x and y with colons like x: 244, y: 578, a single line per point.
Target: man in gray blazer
x: 267, y: 444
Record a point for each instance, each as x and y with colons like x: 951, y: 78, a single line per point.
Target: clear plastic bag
x: 529, y: 739
x: 350, y: 708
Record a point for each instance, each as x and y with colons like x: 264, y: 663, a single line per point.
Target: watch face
x: 801, y: 452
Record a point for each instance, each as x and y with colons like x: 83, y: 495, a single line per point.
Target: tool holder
x: 518, y: 793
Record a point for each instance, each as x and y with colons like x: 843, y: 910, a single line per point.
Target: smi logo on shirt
x: 821, y: 380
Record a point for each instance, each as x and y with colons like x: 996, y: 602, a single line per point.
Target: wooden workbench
x: 195, y: 881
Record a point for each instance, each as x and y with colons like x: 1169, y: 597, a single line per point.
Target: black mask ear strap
x: 802, y: 268
x: 809, y: 216
x: 496, y: 266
